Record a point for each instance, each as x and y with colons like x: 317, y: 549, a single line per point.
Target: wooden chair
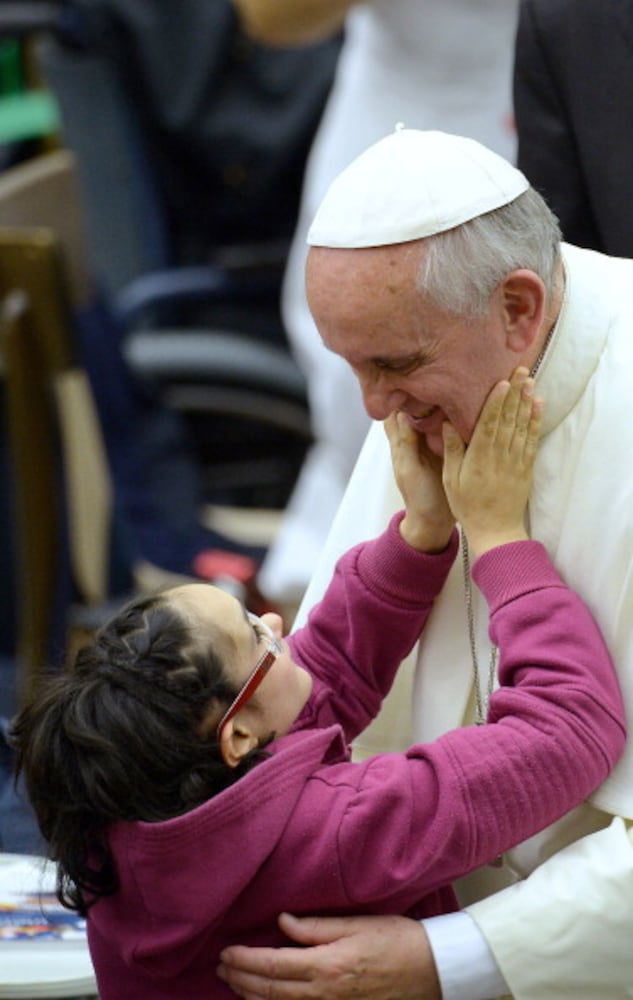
x: 63, y: 495
x: 63, y: 499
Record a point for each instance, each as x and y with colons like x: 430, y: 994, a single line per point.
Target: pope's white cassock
x: 577, y: 907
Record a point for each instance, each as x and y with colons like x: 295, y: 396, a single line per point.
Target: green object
x: 29, y: 115
x: 11, y: 78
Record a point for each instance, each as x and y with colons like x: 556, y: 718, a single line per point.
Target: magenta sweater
x: 309, y: 832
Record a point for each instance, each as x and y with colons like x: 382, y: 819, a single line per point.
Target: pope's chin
x: 435, y: 442
x: 430, y: 428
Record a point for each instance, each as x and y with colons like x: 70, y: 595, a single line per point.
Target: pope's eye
x: 402, y: 366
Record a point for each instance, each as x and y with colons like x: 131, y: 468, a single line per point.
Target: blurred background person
x: 432, y: 64
x: 225, y: 133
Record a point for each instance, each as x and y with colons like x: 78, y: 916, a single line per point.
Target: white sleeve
x: 465, y: 965
x: 565, y: 931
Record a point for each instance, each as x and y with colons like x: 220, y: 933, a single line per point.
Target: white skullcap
x: 410, y: 185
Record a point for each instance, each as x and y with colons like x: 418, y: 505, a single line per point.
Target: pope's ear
x: 237, y: 742
x: 523, y: 302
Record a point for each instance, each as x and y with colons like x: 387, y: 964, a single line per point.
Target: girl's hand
x: 428, y: 522
x: 488, y: 482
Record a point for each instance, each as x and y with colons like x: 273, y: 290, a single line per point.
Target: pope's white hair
x: 461, y: 268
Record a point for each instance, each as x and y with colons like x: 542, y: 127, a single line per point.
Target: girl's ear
x: 237, y: 741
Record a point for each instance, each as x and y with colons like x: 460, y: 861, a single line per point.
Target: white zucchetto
x: 413, y: 184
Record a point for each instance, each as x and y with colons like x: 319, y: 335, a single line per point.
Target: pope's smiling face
x: 407, y: 353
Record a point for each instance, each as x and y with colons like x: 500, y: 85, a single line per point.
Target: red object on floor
x: 211, y: 564
x: 226, y: 568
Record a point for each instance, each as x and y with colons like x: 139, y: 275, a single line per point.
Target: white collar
x: 579, y: 335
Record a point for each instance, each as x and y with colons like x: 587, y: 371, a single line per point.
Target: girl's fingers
x: 523, y: 445
x: 533, y: 432
x: 405, y: 454
x: 522, y: 418
x: 506, y: 415
x: 399, y: 430
x: 454, y: 449
x: 391, y: 428
x: 487, y: 427
x: 396, y: 435
x: 515, y: 413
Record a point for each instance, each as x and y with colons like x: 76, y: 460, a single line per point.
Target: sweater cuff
x: 390, y: 567
x: 509, y: 571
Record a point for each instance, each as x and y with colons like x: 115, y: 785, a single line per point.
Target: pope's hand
x: 376, y: 958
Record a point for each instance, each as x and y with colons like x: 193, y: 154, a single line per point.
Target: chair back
x: 122, y: 204
x: 36, y: 506
x: 62, y: 489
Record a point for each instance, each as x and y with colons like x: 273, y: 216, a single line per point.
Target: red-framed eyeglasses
x: 257, y: 674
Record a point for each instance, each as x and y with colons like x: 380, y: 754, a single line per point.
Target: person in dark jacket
x: 573, y: 98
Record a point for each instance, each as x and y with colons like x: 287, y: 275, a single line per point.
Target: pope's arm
x: 565, y: 931
x: 292, y: 22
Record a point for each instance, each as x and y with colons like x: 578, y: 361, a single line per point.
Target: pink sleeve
x: 369, y: 619
x: 557, y: 729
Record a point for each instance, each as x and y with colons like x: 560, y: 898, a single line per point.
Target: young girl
x: 192, y: 776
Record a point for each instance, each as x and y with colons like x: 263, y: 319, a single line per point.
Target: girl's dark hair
x: 118, y: 736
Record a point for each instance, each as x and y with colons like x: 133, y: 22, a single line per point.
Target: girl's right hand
x: 428, y: 522
x: 488, y: 482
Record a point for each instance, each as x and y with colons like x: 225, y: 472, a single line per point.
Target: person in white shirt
x: 434, y: 270
x: 432, y: 64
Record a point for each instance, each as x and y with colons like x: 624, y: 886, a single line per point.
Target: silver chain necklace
x: 483, y: 697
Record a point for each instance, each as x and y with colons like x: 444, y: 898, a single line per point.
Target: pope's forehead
x: 382, y: 264
x: 359, y: 308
